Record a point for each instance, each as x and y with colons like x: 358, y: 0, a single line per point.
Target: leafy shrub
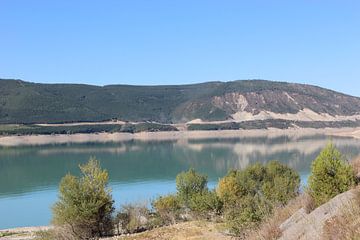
x: 246, y: 213
x: 85, y: 206
x: 193, y: 199
x: 190, y: 183
x: 281, y: 183
x: 228, y: 190
x: 205, y: 204
x: 330, y: 175
x: 168, y: 208
x: 251, y: 194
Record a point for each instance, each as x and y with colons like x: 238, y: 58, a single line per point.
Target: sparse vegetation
x: 5, y: 234
x: 132, y: 218
x: 270, y: 123
x: 168, y: 208
x: 32, y: 129
x: 345, y: 225
x: 269, y: 229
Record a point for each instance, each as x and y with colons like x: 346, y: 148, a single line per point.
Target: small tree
x: 330, y: 175
x: 190, y: 183
x: 85, y: 204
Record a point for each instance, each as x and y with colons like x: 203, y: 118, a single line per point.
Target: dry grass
x: 194, y: 230
x: 269, y: 229
x: 355, y: 163
x: 347, y: 225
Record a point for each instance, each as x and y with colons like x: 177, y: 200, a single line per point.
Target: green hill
x: 25, y: 102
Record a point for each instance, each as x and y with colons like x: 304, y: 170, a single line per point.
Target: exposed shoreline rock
x: 304, y: 226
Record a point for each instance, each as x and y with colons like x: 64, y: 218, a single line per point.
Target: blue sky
x: 176, y: 42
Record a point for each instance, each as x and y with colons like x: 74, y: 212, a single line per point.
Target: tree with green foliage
x: 190, y: 183
x: 85, y: 204
x: 330, y: 175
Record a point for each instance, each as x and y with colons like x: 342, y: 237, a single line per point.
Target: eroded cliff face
x: 286, y: 102
x: 287, y: 105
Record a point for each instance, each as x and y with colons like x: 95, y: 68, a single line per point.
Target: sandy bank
x: 160, y: 136
x: 22, y: 233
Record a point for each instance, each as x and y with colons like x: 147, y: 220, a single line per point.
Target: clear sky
x: 181, y: 41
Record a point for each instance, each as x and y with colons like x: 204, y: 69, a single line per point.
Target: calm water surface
x: 139, y: 171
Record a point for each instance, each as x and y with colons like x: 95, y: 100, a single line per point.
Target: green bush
x: 228, y: 189
x: 250, y: 194
x: 168, y: 208
x: 281, y: 183
x: 193, y: 199
x: 190, y: 183
x: 275, y: 181
x: 330, y: 175
x: 205, y: 204
x: 85, y: 204
x: 246, y: 213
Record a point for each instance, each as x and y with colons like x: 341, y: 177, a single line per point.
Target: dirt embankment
x: 178, y: 135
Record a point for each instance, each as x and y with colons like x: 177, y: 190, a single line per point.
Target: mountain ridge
x: 27, y: 102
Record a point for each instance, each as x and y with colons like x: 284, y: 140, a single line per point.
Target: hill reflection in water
x: 30, y: 168
x: 140, y: 170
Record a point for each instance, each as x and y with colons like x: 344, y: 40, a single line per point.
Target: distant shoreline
x: 9, y: 141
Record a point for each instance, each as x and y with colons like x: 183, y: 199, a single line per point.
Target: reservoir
x: 139, y: 171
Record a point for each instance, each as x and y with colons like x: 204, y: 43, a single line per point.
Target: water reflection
x: 138, y: 170
x: 26, y: 169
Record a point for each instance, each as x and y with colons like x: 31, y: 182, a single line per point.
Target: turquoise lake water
x: 139, y: 171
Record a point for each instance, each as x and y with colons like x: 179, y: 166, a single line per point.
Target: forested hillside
x: 25, y: 102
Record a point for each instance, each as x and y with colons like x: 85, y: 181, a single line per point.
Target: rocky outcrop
x: 310, y: 226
